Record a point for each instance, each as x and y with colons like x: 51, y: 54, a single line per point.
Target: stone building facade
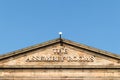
x: 60, y: 59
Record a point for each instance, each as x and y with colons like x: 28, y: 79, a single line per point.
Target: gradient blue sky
x: 92, y: 22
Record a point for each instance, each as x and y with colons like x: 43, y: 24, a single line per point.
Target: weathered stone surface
x: 51, y: 61
x: 85, y: 74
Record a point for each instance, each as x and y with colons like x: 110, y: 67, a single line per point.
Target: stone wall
x: 60, y: 74
x: 56, y: 62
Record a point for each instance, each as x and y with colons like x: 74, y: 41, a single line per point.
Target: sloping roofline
x: 60, y: 40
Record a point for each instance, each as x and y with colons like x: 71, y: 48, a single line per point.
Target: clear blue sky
x: 92, y: 22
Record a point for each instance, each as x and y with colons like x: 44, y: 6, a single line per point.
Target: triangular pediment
x: 59, y: 53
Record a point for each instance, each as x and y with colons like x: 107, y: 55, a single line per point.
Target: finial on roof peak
x: 60, y: 33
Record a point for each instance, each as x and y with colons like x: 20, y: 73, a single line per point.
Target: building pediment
x: 60, y: 53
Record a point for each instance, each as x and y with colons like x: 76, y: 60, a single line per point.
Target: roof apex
x: 58, y: 40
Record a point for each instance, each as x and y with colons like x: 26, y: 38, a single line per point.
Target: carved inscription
x: 60, y: 51
x: 60, y: 55
x: 60, y: 58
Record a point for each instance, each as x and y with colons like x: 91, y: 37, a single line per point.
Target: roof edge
x: 26, y: 49
x: 57, y: 40
x: 89, y: 48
